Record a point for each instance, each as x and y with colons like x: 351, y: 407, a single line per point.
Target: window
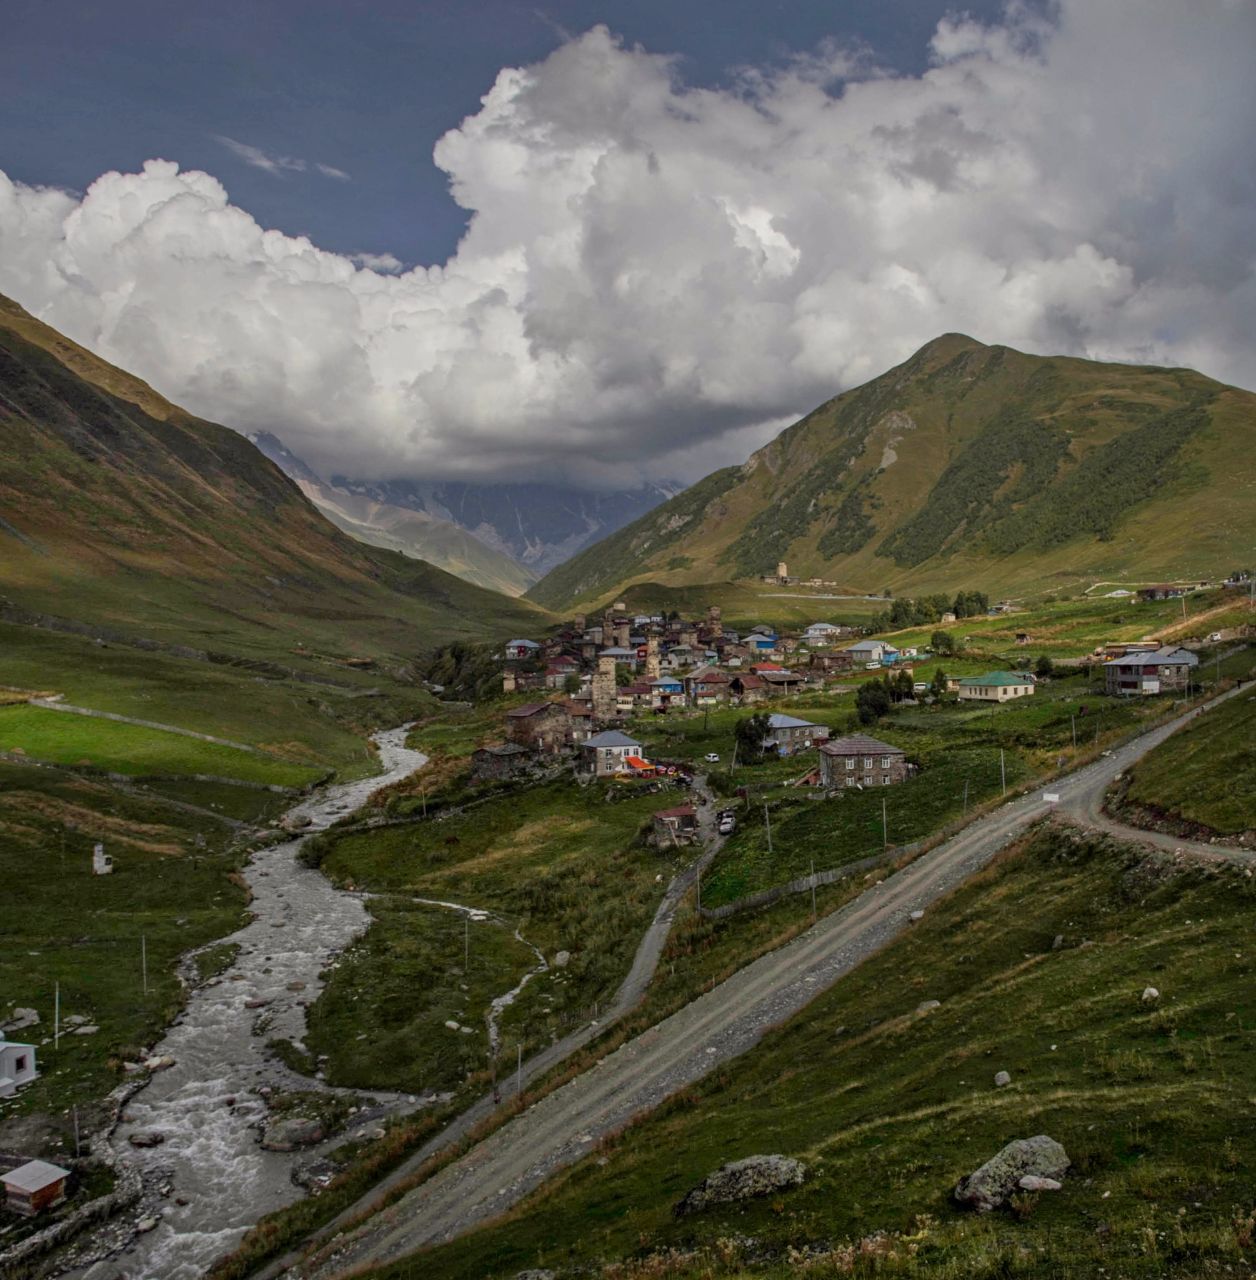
x: 867, y: 762
x: 885, y: 761
x: 850, y: 782
x: 19, y: 1063
x: 850, y: 762
x: 885, y: 781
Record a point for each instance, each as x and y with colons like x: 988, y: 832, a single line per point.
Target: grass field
x: 60, y: 737
x: 316, y: 724
x: 1206, y: 773
x: 171, y: 887
x: 888, y: 1107
x: 560, y: 864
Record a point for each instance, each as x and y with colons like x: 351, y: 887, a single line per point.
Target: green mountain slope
x: 967, y: 463
x: 419, y: 535
x: 120, y: 510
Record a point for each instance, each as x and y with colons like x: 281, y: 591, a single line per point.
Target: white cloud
x: 655, y: 275
x: 276, y: 165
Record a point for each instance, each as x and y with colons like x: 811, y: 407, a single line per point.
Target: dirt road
x: 718, y: 1026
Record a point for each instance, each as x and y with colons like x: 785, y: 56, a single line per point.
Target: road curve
x: 720, y: 1025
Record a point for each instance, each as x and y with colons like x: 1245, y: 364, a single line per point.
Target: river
x: 210, y: 1155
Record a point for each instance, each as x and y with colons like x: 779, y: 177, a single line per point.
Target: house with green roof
x: 996, y: 686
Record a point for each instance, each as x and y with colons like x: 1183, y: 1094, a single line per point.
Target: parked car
x: 727, y: 826
x: 712, y: 757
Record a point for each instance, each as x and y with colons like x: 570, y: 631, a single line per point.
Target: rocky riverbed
x: 201, y: 1115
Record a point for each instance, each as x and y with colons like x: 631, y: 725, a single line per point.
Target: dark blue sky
x: 364, y: 87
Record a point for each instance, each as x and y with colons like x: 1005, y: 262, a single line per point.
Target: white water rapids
x: 212, y: 1153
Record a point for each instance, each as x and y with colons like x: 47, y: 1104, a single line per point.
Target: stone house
x: 609, y: 753
x: 749, y: 689
x: 865, y: 651
x: 707, y: 687
x: 499, y: 762
x: 544, y: 727
x: 675, y: 826
x: 861, y: 761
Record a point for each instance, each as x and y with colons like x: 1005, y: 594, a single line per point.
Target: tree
x: 942, y: 642
x: 938, y: 687
x: 872, y: 701
x: 751, y: 732
x: 571, y: 683
x: 1043, y: 667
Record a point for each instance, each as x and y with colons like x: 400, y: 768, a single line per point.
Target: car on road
x: 727, y: 824
x: 712, y: 757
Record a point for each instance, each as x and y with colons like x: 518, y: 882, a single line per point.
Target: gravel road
x: 720, y: 1025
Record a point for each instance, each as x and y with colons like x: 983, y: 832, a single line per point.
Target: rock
x: 925, y: 1005
x: 147, y: 1138
x: 20, y: 1019
x: 130, y: 1068
x: 743, y: 1180
x: 1058, y: 944
x: 160, y: 1063
x: 1150, y: 995
x: 990, y: 1186
x: 451, y: 1024
x: 257, y: 1002
x: 535, y: 1273
x: 293, y: 1132
x: 916, y: 915
x: 74, y: 1020
x: 562, y: 959
x: 145, y: 1225
x: 1001, y: 1078
x: 1032, y: 1182
x: 86, y: 1031
x: 296, y: 986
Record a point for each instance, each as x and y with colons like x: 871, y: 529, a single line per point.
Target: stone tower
x: 509, y: 683
x: 623, y: 634
x: 715, y: 617
x: 782, y: 570
x: 603, y: 690
x: 652, y: 667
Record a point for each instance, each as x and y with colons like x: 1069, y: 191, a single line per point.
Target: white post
x: 813, y: 891
x: 1073, y: 718
x: 965, y: 797
x: 56, y: 1018
x: 466, y: 945
x: 767, y: 818
x: 519, y: 1070
x: 885, y: 827
x: 144, y: 961
x: 1002, y: 771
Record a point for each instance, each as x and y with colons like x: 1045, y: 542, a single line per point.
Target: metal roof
x: 611, y: 738
x: 34, y: 1175
x: 859, y: 744
x: 778, y: 721
x: 994, y: 679
x: 1167, y: 657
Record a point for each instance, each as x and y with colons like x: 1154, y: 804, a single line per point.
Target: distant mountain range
x: 966, y: 465
x: 503, y: 537
x: 120, y: 510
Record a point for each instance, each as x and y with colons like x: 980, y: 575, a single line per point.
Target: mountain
x: 120, y: 510
x: 967, y: 465
x: 538, y: 525
x: 413, y: 533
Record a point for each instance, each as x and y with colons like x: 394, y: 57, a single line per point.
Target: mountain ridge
x: 964, y: 462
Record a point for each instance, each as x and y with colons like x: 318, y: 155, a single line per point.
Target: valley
x: 526, y: 919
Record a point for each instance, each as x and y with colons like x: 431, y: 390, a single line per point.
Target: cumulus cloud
x: 655, y: 275
x: 276, y: 165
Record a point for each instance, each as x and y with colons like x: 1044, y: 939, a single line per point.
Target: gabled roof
x: 617, y: 651
x: 527, y: 644
x: 859, y: 744
x: 34, y: 1175
x: 752, y: 682
x: 867, y: 646
x: 709, y: 675
x: 994, y: 680
x: 611, y: 738
x: 1167, y: 657
x: 781, y: 677
x: 532, y: 709
x: 779, y: 721
x: 670, y: 681
x: 681, y: 811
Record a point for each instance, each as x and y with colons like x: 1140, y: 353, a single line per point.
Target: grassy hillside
x: 121, y: 510
x: 1204, y: 776
x: 888, y: 1105
x: 967, y: 463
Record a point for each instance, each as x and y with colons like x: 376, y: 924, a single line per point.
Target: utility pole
x: 699, y: 890
x: 56, y: 1018
x: 813, y: 891
x: 519, y: 1069
x: 965, y: 797
x: 767, y: 818
x: 1073, y: 717
x: 885, y: 826
x: 1002, y: 771
x: 76, y: 1132
x: 144, y: 961
x: 466, y: 945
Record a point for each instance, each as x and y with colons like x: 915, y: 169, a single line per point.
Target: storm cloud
x: 656, y: 276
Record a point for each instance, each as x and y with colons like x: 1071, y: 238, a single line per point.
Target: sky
x: 614, y: 240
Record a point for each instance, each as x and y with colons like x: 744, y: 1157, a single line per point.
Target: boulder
x: 20, y: 1019
x: 160, y: 1063
x: 147, y: 1138
x: 1150, y: 995
x: 743, y: 1180
x: 990, y: 1186
x: 86, y: 1030
x: 292, y: 1132
x: 1002, y: 1079
x: 535, y: 1273
x: 562, y: 959
x: 1032, y: 1182
x: 925, y: 1005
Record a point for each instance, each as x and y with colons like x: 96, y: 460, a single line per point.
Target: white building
x: 17, y: 1066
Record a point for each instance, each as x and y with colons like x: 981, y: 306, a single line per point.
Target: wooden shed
x: 33, y: 1187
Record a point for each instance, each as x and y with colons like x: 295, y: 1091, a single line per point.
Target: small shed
x: 675, y: 826
x: 33, y: 1187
